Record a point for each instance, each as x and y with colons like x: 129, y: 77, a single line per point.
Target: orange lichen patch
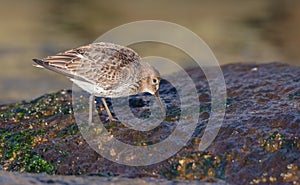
x: 276, y: 141
x: 292, y: 175
x: 196, y: 166
x: 38, y: 139
x: 272, y: 143
x: 263, y: 179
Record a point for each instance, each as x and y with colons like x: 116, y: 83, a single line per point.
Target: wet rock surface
x: 258, y: 142
x: 39, y: 179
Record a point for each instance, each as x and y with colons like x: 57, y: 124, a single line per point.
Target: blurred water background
x: 236, y: 31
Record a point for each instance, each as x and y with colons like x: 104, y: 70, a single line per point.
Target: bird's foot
x: 111, y: 119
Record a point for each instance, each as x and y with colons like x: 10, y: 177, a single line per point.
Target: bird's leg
x: 91, y: 105
x: 107, y: 110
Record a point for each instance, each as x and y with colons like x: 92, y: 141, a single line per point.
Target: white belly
x: 99, y: 91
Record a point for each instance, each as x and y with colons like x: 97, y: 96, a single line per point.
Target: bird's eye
x: 154, y: 81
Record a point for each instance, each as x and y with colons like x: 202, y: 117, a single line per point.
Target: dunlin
x: 105, y: 70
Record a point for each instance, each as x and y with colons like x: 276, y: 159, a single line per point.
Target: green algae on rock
x: 17, y: 152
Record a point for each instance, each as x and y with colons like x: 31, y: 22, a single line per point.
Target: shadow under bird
x: 105, y: 70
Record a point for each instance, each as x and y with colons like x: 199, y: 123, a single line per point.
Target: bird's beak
x: 160, y: 103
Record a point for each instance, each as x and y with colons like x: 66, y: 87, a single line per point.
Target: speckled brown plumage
x: 105, y: 70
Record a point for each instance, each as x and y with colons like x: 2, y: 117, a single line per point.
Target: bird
x: 105, y: 70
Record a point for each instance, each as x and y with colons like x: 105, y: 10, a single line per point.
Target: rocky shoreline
x: 257, y: 143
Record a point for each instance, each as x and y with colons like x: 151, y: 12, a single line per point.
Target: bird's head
x: 150, y: 82
x: 150, y: 79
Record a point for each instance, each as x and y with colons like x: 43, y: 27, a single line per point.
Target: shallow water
x: 34, y: 28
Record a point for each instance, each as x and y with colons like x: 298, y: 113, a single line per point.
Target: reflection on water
x: 256, y: 31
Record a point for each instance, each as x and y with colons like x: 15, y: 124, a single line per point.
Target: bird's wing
x: 103, y: 64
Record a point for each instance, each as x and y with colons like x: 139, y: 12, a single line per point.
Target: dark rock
x: 11, y: 178
x: 257, y: 143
